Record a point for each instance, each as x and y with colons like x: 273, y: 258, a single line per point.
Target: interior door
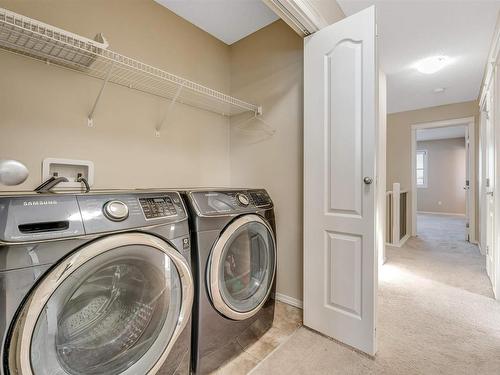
x: 340, y: 135
x: 116, y: 306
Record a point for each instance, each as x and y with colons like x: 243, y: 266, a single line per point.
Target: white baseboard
x: 401, y: 242
x: 440, y: 213
x: 480, y: 248
x: 289, y: 300
x: 404, y: 239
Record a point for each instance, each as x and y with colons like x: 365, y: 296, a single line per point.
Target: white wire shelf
x: 26, y: 36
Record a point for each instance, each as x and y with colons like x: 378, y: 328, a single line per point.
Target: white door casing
x: 495, y: 203
x: 469, y: 122
x: 467, y: 185
x: 482, y: 181
x: 489, y: 190
x: 340, y: 145
x: 381, y: 169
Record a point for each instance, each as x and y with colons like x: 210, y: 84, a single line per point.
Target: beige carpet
x: 436, y: 315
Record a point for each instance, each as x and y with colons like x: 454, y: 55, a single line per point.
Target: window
x: 421, y: 168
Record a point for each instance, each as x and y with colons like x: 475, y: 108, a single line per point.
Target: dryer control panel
x: 213, y: 203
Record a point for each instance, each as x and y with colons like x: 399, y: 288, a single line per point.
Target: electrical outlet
x: 69, y: 168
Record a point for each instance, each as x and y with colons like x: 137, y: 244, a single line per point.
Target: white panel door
x: 340, y: 138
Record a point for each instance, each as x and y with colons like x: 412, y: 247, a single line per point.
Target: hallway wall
x: 399, y: 141
x: 446, y: 176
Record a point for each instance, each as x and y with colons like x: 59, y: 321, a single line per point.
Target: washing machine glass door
x: 242, y: 266
x: 115, y: 306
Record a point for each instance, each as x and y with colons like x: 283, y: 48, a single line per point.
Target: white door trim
x: 301, y: 15
x: 472, y: 139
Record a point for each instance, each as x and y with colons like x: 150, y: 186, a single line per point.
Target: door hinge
x: 487, y: 249
x: 467, y: 183
x: 467, y: 225
x: 487, y: 182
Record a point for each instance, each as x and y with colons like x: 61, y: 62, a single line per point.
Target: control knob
x: 243, y: 199
x: 115, y: 210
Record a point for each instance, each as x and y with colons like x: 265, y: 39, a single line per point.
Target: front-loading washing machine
x: 234, y: 263
x: 95, y: 283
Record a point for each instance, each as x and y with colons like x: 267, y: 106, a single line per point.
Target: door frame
x: 470, y: 123
x: 491, y: 87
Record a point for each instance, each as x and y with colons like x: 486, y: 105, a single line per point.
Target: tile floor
x: 287, y: 320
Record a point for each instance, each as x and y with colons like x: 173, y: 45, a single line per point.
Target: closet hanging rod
x: 26, y: 36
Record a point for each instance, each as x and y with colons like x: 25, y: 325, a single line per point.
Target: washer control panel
x: 37, y: 217
x: 157, y: 207
x: 113, y: 212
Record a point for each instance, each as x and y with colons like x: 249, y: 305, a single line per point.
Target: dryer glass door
x: 242, y: 267
x: 114, y: 307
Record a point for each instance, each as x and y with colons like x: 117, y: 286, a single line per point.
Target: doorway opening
x: 443, y: 175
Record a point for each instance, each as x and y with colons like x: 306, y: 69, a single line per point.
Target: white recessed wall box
x: 69, y: 168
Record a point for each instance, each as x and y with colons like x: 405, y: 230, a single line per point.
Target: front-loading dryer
x: 95, y: 283
x: 234, y: 258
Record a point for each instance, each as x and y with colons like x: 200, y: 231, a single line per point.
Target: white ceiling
x: 410, y: 30
x: 441, y: 133
x: 227, y: 20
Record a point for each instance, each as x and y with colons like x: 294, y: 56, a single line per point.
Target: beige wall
x: 266, y: 67
x: 44, y: 108
x: 446, y: 176
x: 399, y: 139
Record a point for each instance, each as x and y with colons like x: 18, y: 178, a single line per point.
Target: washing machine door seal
x: 123, y: 288
x: 242, y: 267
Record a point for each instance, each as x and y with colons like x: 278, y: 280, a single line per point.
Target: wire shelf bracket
x: 43, y: 42
x: 263, y: 125
x: 169, y: 110
x: 90, y: 118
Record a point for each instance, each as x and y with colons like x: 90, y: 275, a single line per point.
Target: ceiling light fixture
x: 432, y: 64
x: 439, y: 90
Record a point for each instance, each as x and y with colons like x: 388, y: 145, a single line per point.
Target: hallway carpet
x: 436, y: 315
